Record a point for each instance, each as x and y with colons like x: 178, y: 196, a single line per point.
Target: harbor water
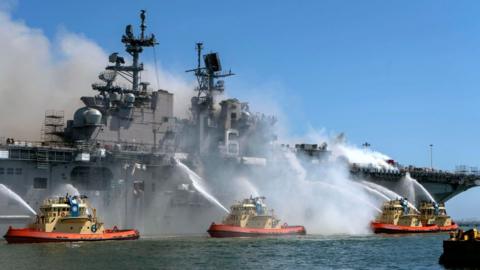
x: 202, y: 252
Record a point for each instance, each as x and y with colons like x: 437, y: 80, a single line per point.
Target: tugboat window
x: 10, y: 171
x: 2, y: 171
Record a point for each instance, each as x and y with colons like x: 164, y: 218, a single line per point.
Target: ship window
x: 18, y: 171
x: 40, y: 183
x: 91, y: 178
x: 9, y: 171
x: 71, y: 228
x: 233, y: 116
x: 2, y: 171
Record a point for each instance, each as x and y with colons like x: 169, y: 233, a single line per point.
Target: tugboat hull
x: 450, y: 228
x: 390, y: 228
x: 221, y: 230
x: 26, y: 235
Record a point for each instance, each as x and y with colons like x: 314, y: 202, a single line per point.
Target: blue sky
x: 398, y: 74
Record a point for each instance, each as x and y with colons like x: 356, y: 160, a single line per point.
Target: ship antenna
x: 142, y: 26
x: 199, y: 54
x: 199, y: 63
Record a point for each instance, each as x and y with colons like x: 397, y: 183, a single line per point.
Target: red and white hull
x: 221, y: 230
x: 27, y: 235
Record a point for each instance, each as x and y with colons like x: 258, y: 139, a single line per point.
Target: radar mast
x: 134, y: 46
x: 207, y: 76
x: 208, y: 85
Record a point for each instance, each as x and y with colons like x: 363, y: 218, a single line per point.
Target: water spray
x: 388, y: 192
x: 4, y: 190
x: 197, y: 184
x: 422, y: 188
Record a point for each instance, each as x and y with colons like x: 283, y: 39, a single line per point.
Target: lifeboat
x: 67, y: 219
x: 399, y: 216
x: 251, y: 218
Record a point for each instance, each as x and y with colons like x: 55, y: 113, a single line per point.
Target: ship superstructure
x: 252, y: 213
x: 67, y: 214
x: 435, y: 213
x: 399, y: 212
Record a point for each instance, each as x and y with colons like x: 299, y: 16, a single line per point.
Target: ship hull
x: 450, y: 228
x: 221, y: 231
x: 460, y: 254
x: 26, y: 235
x: 394, y: 229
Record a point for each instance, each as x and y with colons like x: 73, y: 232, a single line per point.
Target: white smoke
x: 174, y: 83
x: 34, y: 77
x: 341, y: 149
x: 363, y: 157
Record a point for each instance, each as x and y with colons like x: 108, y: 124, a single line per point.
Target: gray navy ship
x: 123, y: 147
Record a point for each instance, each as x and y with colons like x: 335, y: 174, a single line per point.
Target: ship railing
x: 10, y: 142
x: 117, y: 146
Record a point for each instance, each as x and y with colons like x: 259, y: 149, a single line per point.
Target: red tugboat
x: 250, y: 218
x: 435, y: 213
x: 399, y: 217
x: 67, y: 219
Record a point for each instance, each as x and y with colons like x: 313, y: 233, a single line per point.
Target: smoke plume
x: 39, y: 74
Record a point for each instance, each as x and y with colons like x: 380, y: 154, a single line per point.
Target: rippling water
x: 201, y: 252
